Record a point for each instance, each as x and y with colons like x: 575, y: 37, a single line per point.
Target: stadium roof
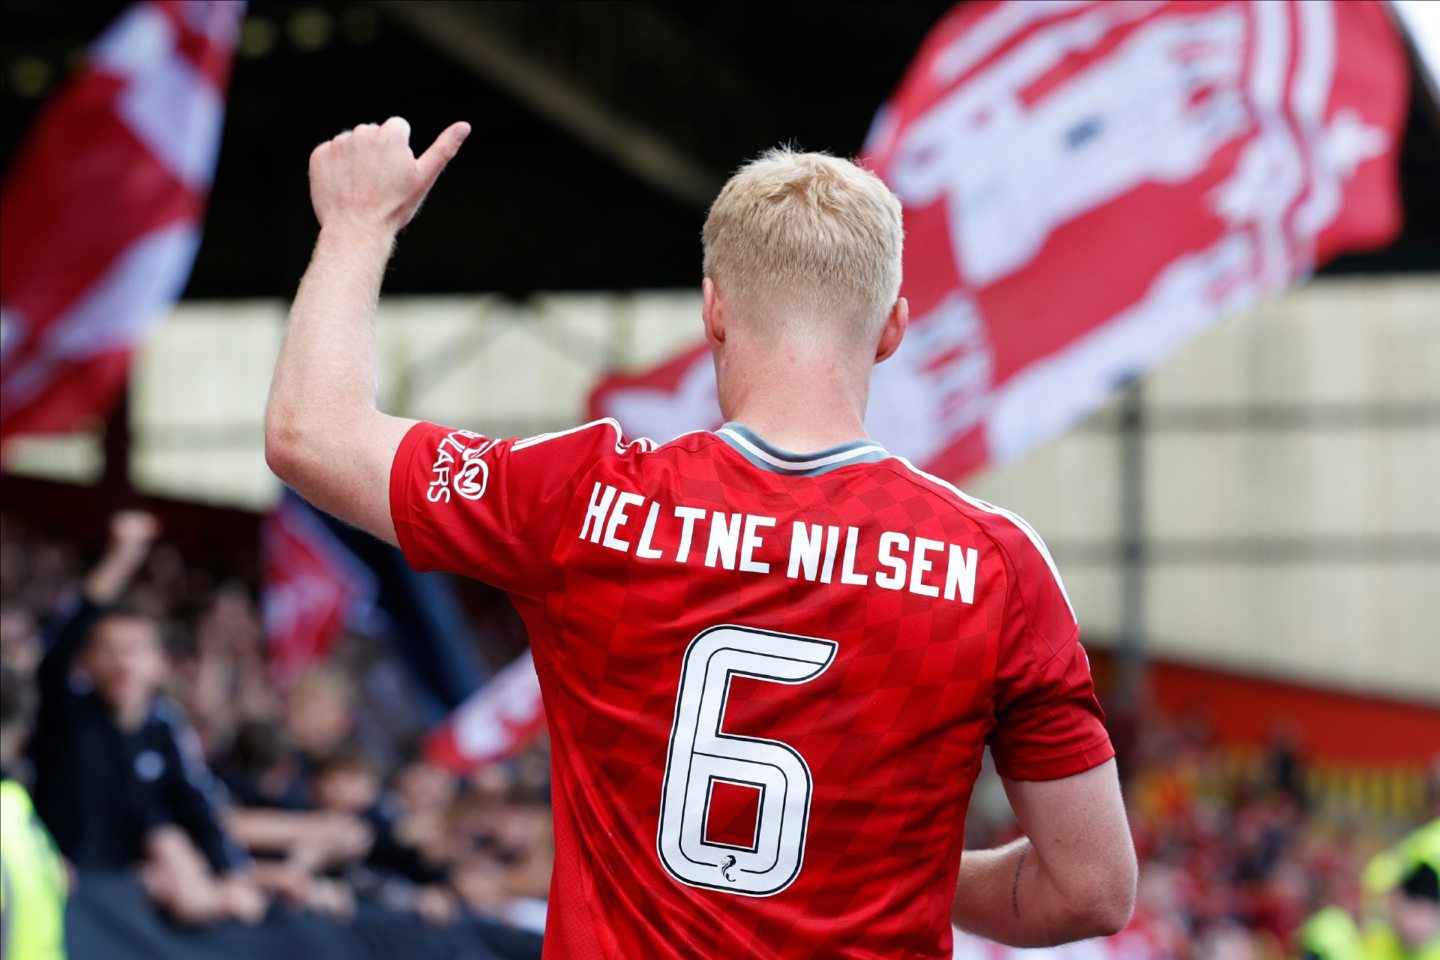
x: 601, y: 127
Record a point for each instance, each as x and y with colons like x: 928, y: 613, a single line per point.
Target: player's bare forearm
x: 321, y: 422
x: 1072, y: 877
x: 326, y: 371
x: 323, y: 433
x: 1004, y: 895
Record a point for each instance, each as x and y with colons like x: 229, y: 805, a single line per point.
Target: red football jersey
x: 769, y: 677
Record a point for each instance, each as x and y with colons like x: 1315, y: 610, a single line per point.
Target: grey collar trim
x: 749, y: 445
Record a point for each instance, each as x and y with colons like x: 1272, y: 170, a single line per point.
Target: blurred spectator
x: 119, y: 777
x: 348, y: 783
x: 1234, y: 856
x: 1404, y: 909
x: 262, y: 771
x: 20, y: 645
x: 1284, y: 765
x: 33, y: 880
x: 319, y: 712
x: 424, y: 795
x: 225, y: 681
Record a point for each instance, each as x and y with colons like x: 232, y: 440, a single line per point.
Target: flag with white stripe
x: 100, y: 214
x: 314, y: 588
x: 498, y: 721
x: 1086, y: 186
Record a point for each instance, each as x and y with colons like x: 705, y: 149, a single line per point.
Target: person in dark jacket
x: 119, y: 775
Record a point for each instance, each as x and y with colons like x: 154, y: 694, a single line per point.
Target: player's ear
x: 713, y: 311
x: 896, y: 323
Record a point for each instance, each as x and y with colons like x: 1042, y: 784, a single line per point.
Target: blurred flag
x: 420, y: 617
x: 313, y: 588
x: 1087, y: 185
x: 323, y: 578
x: 498, y: 721
x: 100, y: 214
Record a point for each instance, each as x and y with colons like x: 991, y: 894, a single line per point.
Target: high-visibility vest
x: 1382, y: 944
x: 1385, y: 871
x: 1383, y: 874
x: 33, y: 882
x: 1331, y: 934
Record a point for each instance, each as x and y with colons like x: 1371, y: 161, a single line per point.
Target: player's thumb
x: 442, y: 151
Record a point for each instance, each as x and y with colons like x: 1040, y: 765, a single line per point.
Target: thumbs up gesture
x: 368, y: 178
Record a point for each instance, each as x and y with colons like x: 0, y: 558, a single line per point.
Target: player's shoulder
x: 691, y: 441
x: 604, y: 434
x: 1011, y: 533
x: 694, y: 444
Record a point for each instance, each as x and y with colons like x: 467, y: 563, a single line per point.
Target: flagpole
x: 1132, y: 542
x: 115, y: 480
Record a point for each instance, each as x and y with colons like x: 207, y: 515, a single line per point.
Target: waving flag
x: 1086, y: 186
x: 100, y: 215
x: 323, y: 578
x: 498, y: 721
x: 314, y: 588
x: 421, y: 619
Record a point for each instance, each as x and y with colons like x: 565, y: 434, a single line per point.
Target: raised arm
x: 323, y: 434
x: 132, y: 533
x: 1071, y: 877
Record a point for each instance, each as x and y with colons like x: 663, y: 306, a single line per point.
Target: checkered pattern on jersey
x: 892, y: 731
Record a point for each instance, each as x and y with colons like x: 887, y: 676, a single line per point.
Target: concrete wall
x: 1291, y: 493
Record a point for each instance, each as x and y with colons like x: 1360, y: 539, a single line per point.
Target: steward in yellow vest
x: 33, y: 879
x: 1403, y: 890
x: 33, y: 882
x: 1331, y: 935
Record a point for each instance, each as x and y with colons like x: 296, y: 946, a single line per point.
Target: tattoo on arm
x: 1015, y: 885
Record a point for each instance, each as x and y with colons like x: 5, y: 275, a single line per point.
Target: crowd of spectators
x: 1235, y: 855
x: 161, y: 745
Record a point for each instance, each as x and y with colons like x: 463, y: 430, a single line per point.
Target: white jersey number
x: 700, y: 755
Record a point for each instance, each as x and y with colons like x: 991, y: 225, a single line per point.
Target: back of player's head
x: 806, y: 244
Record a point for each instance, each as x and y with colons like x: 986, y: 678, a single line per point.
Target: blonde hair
x: 807, y: 242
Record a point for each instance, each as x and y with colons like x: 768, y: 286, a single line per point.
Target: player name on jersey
x: 626, y: 522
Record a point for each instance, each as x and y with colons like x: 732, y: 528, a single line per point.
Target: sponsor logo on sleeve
x: 473, y: 476
x: 459, y: 467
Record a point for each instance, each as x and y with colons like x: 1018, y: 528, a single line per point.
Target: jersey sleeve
x: 1048, y: 723
x: 492, y: 509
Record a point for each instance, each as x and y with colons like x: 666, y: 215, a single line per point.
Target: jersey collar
x: 749, y: 445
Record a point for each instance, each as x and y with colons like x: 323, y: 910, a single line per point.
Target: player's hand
x: 368, y: 178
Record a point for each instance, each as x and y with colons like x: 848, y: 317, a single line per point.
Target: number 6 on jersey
x: 700, y: 755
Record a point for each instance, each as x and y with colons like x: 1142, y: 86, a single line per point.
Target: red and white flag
x: 498, y: 720
x: 313, y: 588
x: 100, y: 214
x: 1086, y: 186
